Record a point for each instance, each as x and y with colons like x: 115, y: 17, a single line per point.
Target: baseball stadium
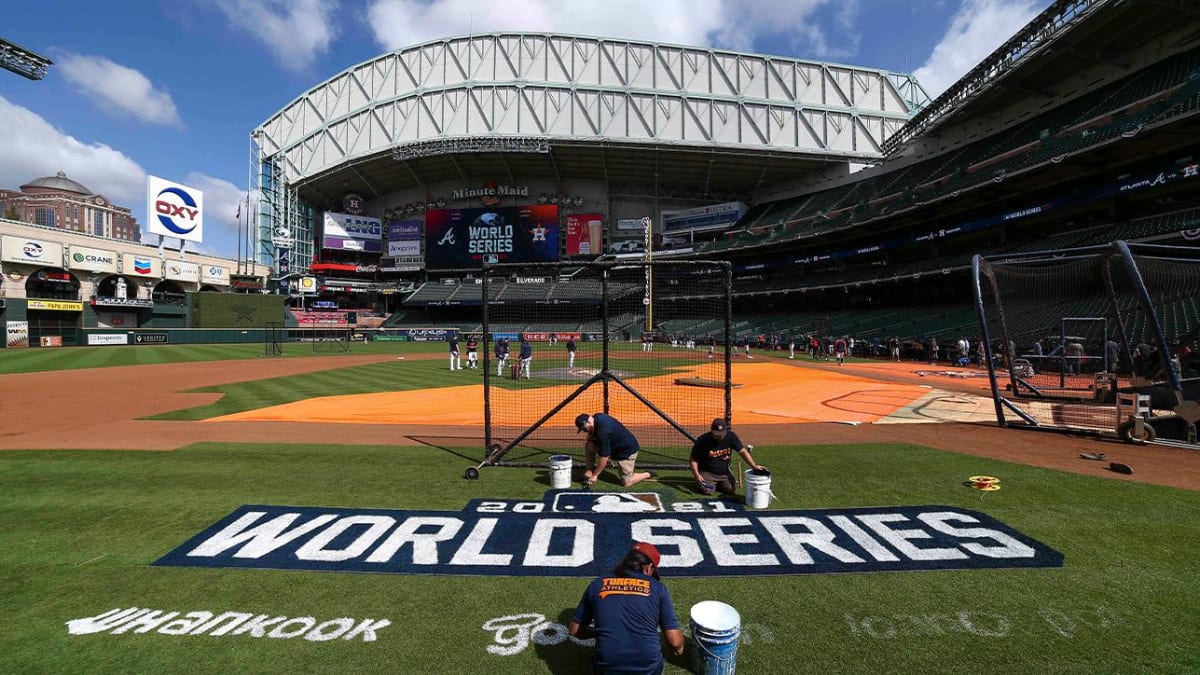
x: 959, y: 334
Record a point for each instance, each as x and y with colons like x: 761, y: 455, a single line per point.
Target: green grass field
x: 80, y: 529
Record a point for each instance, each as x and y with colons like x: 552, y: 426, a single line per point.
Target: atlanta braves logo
x: 447, y: 238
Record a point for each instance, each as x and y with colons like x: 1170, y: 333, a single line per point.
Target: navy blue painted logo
x: 584, y: 533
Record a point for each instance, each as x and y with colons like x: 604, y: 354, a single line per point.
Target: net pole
x: 604, y: 332
x: 728, y: 269
x: 487, y: 363
x: 1164, y: 348
x: 977, y: 263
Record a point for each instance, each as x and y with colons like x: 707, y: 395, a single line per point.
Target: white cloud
x: 977, y: 29
x: 118, y: 89
x: 34, y: 148
x: 719, y: 23
x: 221, y: 204
x: 296, y: 31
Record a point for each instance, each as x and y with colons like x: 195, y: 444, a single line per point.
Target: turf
x: 78, y: 531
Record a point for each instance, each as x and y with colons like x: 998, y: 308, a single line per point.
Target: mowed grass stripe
x: 81, y: 529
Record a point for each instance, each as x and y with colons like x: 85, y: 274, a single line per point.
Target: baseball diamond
x: 908, y: 378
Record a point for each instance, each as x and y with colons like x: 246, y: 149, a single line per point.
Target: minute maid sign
x: 580, y: 534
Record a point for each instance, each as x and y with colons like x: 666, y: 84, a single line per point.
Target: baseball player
x: 455, y: 361
x: 526, y: 357
x: 571, y: 349
x: 472, y: 352
x: 501, y: 356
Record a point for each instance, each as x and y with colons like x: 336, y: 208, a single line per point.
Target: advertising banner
x: 431, y: 334
x: 344, y: 232
x: 217, y: 276
x: 174, y: 209
x: 544, y: 336
x: 466, y: 238
x: 636, y: 224
x: 55, y: 305
x: 31, y: 251
x: 404, y: 238
x: 183, y: 271
x: 583, y: 233
x: 108, y: 338
x: 92, y: 259
x: 715, y: 217
x: 16, y: 335
x: 141, y: 266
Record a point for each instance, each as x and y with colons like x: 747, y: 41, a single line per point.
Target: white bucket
x: 560, y: 471
x: 758, y: 488
x: 716, y: 628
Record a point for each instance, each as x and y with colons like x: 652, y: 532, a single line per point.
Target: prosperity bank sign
x: 581, y: 534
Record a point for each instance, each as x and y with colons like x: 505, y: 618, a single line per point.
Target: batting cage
x: 642, y: 341
x: 1098, y: 340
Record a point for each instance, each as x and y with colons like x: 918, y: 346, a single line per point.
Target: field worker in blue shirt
x: 628, y: 608
x: 611, y: 441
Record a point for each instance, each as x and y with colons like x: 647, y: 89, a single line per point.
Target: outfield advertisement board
x: 468, y: 238
x: 580, y: 534
x: 108, y: 338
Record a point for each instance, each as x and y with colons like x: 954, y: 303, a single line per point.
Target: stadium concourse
x: 874, y: 393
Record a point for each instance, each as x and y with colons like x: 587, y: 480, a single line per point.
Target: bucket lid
x: 758, y: 472
x: 560, y: 458
x: 715, y: 615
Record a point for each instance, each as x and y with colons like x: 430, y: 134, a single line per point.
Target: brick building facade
x: 58, y: 201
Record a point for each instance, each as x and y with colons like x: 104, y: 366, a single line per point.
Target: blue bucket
x: 716, y: 628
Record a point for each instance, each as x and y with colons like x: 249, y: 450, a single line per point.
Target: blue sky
x: 173, y: 88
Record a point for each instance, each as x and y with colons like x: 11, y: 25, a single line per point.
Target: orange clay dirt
x: 780, y: 402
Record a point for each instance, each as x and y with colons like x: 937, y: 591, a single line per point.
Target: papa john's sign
x: 581, y: 534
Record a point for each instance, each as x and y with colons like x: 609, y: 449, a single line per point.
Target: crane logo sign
x: 174, y: 210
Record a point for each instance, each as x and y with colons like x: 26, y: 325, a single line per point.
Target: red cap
x: 648, y: 550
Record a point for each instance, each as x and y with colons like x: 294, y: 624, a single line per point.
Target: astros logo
x: 539, y: 233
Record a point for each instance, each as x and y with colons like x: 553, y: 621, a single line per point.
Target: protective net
x: 1069, y: 331
x: 644, y: 342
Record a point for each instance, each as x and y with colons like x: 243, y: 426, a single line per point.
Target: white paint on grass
x: 983, y: 623
x: 512, y: 634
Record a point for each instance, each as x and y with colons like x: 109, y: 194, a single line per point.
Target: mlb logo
x: 607, y: 502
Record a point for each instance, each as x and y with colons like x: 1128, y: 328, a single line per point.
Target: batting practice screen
x: 643, y: 341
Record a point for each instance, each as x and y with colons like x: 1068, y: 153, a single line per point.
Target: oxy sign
x: 174, y: 209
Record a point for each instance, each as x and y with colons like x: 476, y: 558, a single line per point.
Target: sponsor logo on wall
x: 582, y: 534
x: 16, y: 334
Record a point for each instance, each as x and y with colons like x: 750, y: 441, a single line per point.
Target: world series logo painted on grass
x: 582, y: 534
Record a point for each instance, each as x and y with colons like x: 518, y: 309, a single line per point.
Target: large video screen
x: 465, y: 238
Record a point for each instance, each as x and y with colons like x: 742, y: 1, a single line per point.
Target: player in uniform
x: 571, y: 349
x: 526, y: 358
x: 710, y: 458
x: 472, y: 352
x: 455, y: 361
x: 628, y: 607
x: 501, y: 351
